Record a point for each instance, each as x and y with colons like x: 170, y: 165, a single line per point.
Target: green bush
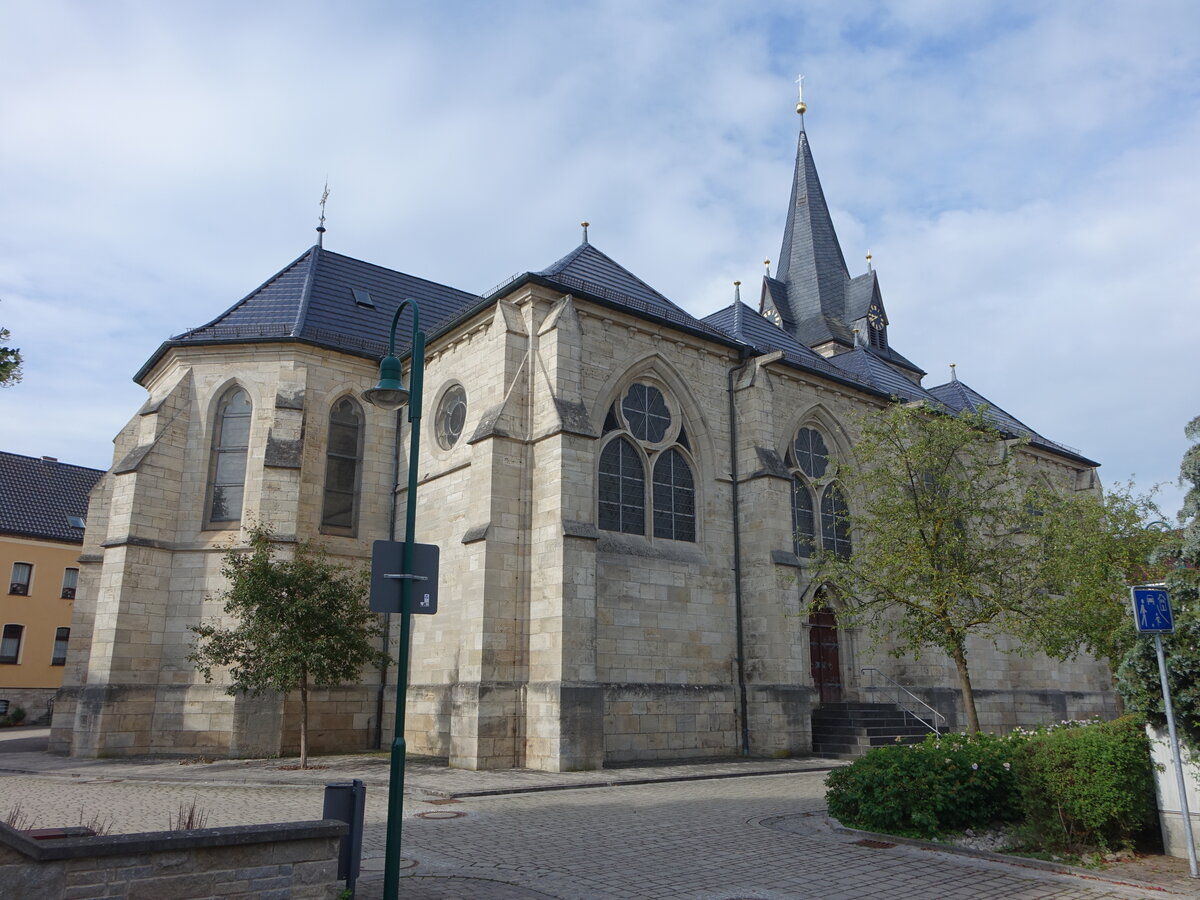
x: 1089, y: 786
x: 944, y: 784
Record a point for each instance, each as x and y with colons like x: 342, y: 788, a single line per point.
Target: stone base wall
x: 38, y: 703
x: 340, y: 720
x: 669, y: 721
x: 296, y: 860
x: 780, y: 719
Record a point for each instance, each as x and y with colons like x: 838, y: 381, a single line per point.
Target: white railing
x: 908, y: 701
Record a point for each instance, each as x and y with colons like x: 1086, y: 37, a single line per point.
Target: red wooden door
x: 823, y: 651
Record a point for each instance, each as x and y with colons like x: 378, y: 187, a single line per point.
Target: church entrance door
x: 823, y: 651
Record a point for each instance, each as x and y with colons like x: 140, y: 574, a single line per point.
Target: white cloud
x: 1021, y: 171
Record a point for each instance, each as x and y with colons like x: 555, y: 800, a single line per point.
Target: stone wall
x: 297, y: 860
x: 38, y: 703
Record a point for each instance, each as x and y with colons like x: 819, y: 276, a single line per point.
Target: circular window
x: 451, y: 416
x: 646, y: 411
x: 812, y: 456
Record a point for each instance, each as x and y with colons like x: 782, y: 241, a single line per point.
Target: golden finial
x: 801, y: 106
x: 767, y: 263
x: 585, y: 228
x: 868, y: 260
x: 953, y: 372
x: 737, y: 291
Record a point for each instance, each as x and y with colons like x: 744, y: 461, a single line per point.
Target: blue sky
x: 1023, y: 173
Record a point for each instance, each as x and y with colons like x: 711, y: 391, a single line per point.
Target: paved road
x: 758, y: 837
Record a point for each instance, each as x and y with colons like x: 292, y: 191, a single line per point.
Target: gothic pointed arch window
x: 820, y: 515
x: 343, y: 462
x: 643, y: 433
x: 230, y: 448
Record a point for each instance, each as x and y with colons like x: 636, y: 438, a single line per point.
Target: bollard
x: 347, y: 801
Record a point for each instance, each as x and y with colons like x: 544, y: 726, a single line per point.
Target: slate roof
x: 811, y: 264
x: 592, y: 274
x: 958, y: 396
x: 762, y: 336
x: 867, y: 365
x: 312, y: 300
x: 37, y: 496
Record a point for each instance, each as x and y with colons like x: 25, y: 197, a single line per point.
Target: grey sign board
x: 388, y: 576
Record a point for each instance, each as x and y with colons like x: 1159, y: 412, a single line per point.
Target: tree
x: 299, y: 622
x: 10, y: 361
x: 954, y: 539
x: 1138, y: 676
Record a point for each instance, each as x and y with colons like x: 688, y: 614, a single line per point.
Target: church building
x: 626, y: 499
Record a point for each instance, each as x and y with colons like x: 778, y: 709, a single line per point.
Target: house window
x: 342, y: 463
x: 637, y: 428
x: 22, y: 575
x: 61, y: 637
x: 10, y: 644
x: 231, y: 444
x: 70, y: 582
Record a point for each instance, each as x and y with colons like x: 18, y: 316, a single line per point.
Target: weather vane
x: 321, y: 224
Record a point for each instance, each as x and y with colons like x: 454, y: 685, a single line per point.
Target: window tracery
x: 644, y: 434
x: 816, y: 499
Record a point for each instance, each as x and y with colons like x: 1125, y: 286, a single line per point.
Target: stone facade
x: 559, y: 644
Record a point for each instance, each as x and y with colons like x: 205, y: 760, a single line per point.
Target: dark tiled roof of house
x: 39, y: 497
x: 330, y: 300
x: 959, y: 396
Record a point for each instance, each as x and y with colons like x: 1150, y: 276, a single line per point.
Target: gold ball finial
x: 801, y: 108
x: 737, y: 284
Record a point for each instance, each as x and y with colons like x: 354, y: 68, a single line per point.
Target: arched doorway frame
x: 825, y: 597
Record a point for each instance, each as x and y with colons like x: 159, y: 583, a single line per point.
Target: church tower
x: 812, y: 296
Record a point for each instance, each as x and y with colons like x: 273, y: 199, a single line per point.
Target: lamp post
x: 390, y: 394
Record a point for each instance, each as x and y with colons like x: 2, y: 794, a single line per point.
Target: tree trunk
x: 303, y: 722
x: 964, y: 680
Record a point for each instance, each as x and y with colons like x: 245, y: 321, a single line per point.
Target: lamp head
x: 389, y: 393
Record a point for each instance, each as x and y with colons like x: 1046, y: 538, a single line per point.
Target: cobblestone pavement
x: 628, y: 836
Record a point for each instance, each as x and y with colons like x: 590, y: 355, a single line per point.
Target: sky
x: 1024, y: 175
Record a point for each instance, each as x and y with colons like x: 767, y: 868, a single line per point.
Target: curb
x: 1017, y: 861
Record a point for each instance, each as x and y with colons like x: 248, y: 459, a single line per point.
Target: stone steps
x: 847, y: 730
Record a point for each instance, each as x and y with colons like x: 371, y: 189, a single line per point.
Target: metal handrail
x: 935, y: 717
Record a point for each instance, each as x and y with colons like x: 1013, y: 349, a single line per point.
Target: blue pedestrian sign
x: 1152, y: 609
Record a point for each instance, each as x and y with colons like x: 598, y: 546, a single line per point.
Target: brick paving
x: 634, y: 833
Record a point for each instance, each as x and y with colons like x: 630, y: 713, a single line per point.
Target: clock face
x: 875, y: 317
x: 773, y: 315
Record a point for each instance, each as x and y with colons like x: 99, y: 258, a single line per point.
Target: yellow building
x: 43, y: 505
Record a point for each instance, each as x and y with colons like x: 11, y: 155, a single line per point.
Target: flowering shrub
x: 1087, y: 786
x: 943, y: 784
x: 1074, y: 785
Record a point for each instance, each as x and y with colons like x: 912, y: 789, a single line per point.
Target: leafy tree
x: 1138, y: 676
x: 10, y: 361
x: 300, y: 622
x: 953, y: 540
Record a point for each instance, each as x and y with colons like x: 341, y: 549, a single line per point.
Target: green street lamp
x: 390, y: 394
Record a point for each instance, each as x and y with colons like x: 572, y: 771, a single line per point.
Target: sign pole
x: 1175, y: 757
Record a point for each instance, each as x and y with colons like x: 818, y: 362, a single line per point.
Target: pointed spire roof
x: 811, y: 265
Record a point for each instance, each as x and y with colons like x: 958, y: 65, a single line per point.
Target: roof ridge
x: 248, y: 296
x: 306, y: 291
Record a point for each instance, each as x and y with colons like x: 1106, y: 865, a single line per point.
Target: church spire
x: 811, y: 266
